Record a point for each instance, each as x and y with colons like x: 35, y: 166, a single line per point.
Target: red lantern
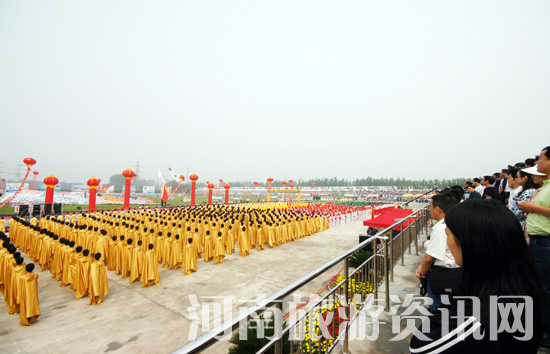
x: 292, y: 186
x: 29, y: 161
x: 193, y: 179
x: 128, y: 175
x: 290, y: 181
x: 269, y: 181
x: 313, y: 184
x: 92, y: 183
x: 182, y: 178
x: 3, y: 180
x: 50, y: 183
x: 35, y: 173
x: 283, y: 183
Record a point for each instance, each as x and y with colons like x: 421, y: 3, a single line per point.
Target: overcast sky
x: 246, y: 90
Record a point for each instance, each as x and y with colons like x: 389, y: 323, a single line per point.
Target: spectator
x: 477, y: 186
x: 524, y: 178
x: 444, y: 273
x: 515, y: 188
x: 503, y: 189
x: 538, y: 229
x: 530, y: 162
x: 489, y: 192
x: 496, y: 176
x: 496, y: 274
x: 473, y: 193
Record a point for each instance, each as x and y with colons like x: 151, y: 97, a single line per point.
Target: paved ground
x: 157, y: 319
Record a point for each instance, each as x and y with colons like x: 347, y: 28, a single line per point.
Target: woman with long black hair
x: 497, y: 306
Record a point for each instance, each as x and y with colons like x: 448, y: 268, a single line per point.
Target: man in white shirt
x: 437, y: 252
x: 478, y: 186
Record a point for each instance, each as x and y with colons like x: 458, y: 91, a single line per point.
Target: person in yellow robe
x: 137, y: 262
x: 111, y: 263
x: 102, y: 246
x: 159, y: 246
x: 3, y: 254
x: 176, y: 253
x: 118, y: 254
x: 167, y: 250
x: 270, y: 235
x: 29, y: 307
x: 65, y: 258
x: 5, y: 265
x: 45, y: 252
x: 99, y: 286
x: 83, y: 274
x: 219, y: 249
x: 230, y: 240
x: 197, y: 243
x: 126, y: 258
x: 259, y: 237
x: 74, y: 267
x: 190, y: 257
x: 14, y: 292
x: 244, y: 250
x: 150, y: 272
x: 208, y: 247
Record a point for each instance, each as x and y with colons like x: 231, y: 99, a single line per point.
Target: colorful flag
x: 173, y: 174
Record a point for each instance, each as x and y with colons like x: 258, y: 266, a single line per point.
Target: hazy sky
x: 245, y: 90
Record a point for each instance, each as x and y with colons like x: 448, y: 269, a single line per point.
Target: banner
x: 132, y: 189
x: 43, y: 187
x: 106, y: 188
x: 13, y: 187
x: 148, y: 189
x: 79, y: 187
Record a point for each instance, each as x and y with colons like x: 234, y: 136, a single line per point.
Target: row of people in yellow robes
x: 18, y: 283
x: 76, y: 266
x: 213, y: 231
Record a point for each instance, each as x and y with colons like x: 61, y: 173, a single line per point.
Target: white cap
x: 532, y: 171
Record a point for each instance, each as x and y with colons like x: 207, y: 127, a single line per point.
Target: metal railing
x: 352, y: 292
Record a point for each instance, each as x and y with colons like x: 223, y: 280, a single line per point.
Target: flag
x: 173, y: 174
x: 164, y: 195
x: 161, y: 176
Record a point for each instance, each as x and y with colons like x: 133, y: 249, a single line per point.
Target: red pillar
x: 127, y: 186
x: 49, y: 194
x: 91, y: 204
x: 210, y: 187
x: 193, y: 179
x: 128, y: 175
x: 227, y: 186
x: 93, y: 183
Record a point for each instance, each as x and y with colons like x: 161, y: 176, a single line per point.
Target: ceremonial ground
x: 157, y: 319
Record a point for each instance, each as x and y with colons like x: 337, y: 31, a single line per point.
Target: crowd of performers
x: 78, y: 249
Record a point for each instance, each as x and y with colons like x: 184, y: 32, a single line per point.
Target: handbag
x: 444, y: 280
